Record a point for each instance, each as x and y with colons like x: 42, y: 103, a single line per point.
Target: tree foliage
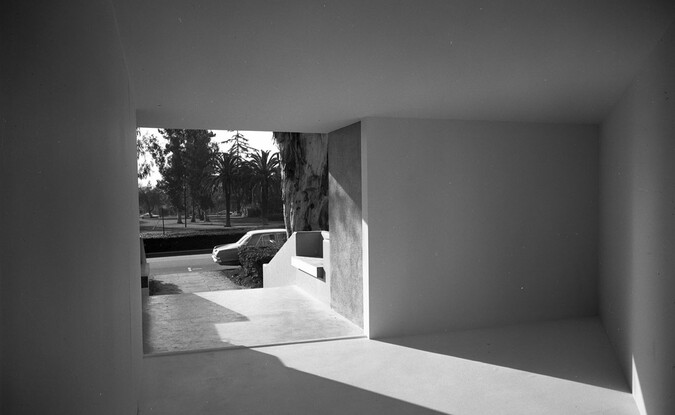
x: 240, y: 151
x: 198, y: 154
x: 184, y: 164
x: 147, y: 147
x: 238, y: 146
x: 224, y: 175
x: 194, y: 173
x: 264, y: 172
x: 150, y: 198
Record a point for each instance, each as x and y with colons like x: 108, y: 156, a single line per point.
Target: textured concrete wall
x: 344, y: 195
x: 70, y: 257
x: 474, y: 224
x: 637, y: 256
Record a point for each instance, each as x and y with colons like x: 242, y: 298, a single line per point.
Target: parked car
x: 228, y: 254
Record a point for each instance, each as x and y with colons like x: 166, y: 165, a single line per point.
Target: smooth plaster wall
x: 344, y: 196
x: 71, y: 329
x: 280, y: 273
x: 476, y: 224
x: 637, y: 255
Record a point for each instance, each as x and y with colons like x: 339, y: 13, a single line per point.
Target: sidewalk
x: 236, y: 318
x: 195, y: 282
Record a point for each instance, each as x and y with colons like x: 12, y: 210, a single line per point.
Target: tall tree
x: 172, y: 166
x: 238, y: 146
x: 304, y: 174
x: 184, y: 164
x: 265, y: 170
x: 224, y: 172
x: 198, y: 154
x: 240, y: 150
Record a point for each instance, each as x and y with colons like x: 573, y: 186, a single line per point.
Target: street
x: 184, y: 264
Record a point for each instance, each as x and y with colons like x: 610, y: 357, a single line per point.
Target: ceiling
x: 315, y: 66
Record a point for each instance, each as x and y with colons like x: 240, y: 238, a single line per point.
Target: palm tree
x: 225, y: 170
x: 265, y: 170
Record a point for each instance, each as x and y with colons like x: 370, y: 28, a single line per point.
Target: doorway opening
x: 212, y: 211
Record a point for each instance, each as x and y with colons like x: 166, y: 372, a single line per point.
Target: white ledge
x: 310, y: 265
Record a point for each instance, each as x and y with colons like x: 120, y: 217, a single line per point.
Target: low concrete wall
x: 280, y: 273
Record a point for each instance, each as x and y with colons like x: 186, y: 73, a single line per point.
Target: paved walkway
x: 195, y: 282
x: 234, y: 318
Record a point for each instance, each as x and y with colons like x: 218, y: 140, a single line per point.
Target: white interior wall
x: 71, y: 332
x: 637, y: 256
x: 475, y: 224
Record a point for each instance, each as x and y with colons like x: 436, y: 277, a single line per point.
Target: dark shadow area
x: 171, y: 328
x: 244, y: 381
x: 158, y: 287
x: 577, y: 350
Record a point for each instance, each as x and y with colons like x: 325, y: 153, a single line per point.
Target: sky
x: 259, y: 140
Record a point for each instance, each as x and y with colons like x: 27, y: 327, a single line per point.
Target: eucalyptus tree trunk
x: 304, y: 180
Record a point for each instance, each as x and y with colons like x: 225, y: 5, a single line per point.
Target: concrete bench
x: 310, y: 265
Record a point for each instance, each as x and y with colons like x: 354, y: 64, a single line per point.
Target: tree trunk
x: 304, y: 180
x: 228, y: 196
x: 185, y: 205
x: 263, y: 203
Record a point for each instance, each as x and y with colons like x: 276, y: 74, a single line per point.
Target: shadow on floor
x: 158, y: 287
x: 245, y: 381
x: 577, y: 350
x: 167, y: 328
x: 232, y: 318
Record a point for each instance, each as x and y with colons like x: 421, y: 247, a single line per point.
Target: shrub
x: 252, y: 259
x: 199, y: 240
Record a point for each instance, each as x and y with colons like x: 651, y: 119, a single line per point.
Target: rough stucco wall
x: 71, y: 333
x: 344, y: 195
x: 476, y: 224
x: 637, y: 257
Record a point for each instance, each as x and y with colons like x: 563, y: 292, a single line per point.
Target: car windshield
x: 244, y: 239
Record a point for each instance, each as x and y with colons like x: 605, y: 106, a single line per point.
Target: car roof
x: 266, y: 231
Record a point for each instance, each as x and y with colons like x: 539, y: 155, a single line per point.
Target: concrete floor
x: 256, y: 317
x: 196, y: 282
x: 563, y: 367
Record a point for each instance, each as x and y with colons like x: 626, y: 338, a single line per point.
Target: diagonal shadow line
x: 248, y: 381
x: 166, y: 328
x: 577, y: 350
